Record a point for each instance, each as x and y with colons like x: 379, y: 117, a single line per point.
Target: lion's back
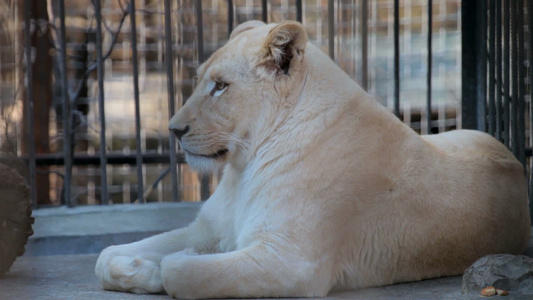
x: 471, y: 143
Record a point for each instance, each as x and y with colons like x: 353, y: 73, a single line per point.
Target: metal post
x: 230, y: 17
x: 140, y: 188
x: 204, y: 181
x: 473, y: 28
x: 514, y: 70
x: 499, y: 70
x: 264, y: 11
x: 299, y: 12
x: 430, y: 64
x: 530, y: 58
x: 101, y: 106
x: 506, y: 73
x: 521, y: 123
x: 169, y: 63
x: 200, y: 31
x: 331, y: 29
x: 29, y: 104
x: 397, y: 58
x: 482, y: 65
x: 364, y: 44
x: 67, y: 142
x: 492, y: 68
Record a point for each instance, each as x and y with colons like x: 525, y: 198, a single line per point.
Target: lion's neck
x: 326, y: 102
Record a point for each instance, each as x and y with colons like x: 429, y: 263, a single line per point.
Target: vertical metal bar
x: 299, y: 12
x: 521, y: 124
x: 67, y: 142
x: 169, y: 63
x: 473, y: 64
x: 204, y: 182
x: 364, y: 43
x: 135, y: 66
x: 530, y: 59
x: 331, y: 29
x: 101, y: 106
x: 514, y: 63
x: 430, y: 64
x: 492, y: 76
x: 482, y: 65
x: 506, y: 73
x: 199, y: 31
x: 397, y: 58
x: 498, y: 70
x: 264, y: 11
x: 29, y: 104
x: 230, y: 17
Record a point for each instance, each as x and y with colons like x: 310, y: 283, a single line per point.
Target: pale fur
x: 322, y: 187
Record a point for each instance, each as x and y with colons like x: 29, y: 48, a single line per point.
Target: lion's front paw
x: 122, y: 272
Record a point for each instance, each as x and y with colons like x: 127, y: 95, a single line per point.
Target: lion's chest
x: 239, y: 216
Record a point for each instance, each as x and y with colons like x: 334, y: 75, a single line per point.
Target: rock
x: 508, y: 272
x: 15, y: 216
x: 529, y: 248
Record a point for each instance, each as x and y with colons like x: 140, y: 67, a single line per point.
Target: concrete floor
x: 72, y: 277
x: 61, y: 255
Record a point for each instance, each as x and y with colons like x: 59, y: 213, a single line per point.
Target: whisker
x: 231, y: 137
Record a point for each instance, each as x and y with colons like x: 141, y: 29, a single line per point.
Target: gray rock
x: 513, y: 273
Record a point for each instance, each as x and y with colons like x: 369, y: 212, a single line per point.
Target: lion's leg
x: 257, y: 271
x: 136, y: 268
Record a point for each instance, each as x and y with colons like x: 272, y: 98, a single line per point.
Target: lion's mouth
x: 220, y: 154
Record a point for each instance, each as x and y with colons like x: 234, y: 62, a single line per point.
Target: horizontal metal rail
x: 112, y: 158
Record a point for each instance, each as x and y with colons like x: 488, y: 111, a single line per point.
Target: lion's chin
x: 211, y: 163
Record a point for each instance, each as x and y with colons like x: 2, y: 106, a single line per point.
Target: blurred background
x: 358, y: 35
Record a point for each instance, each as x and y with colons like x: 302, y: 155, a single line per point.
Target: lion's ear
x: 245, y: 26
x: 283, y: 43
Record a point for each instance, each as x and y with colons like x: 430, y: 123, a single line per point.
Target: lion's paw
x: 126, y: 273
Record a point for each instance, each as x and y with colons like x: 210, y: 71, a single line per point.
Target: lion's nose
x: 179, y: 132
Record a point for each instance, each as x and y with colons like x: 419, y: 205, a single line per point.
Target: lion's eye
x: 220, y: 87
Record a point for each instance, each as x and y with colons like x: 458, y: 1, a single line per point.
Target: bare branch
x: 94, y: 65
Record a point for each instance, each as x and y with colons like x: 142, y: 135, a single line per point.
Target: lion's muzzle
x: 179, y: 132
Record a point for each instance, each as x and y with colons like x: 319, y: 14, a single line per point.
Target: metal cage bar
x: 429, y: 65
x: 112, y: 159
x: 204, y: 180
x: 364, y: 44
x: 230, y: 17
x: 101, y: 106
x: 169, y: 64
x: 530, y: 77
x: 397, y: 58
x: 67, y: 139
x: 135, y: 67
x: 498, y: 60
x: 264, y: 11
x: 492, y: 69
x: 521, y: 124
x: 514, y: 70
x: 507, y: 73
x: 29, y: 103
x: 331, y: 29
x: 299, y: 11
x: 473, y: 64
x: 199, y: 30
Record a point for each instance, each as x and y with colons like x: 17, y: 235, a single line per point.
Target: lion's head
x: 242, y: 89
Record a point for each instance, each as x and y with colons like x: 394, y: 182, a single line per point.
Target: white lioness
x: 322, y: 187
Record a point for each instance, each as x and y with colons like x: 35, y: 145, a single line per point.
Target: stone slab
x: 89, y: 229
